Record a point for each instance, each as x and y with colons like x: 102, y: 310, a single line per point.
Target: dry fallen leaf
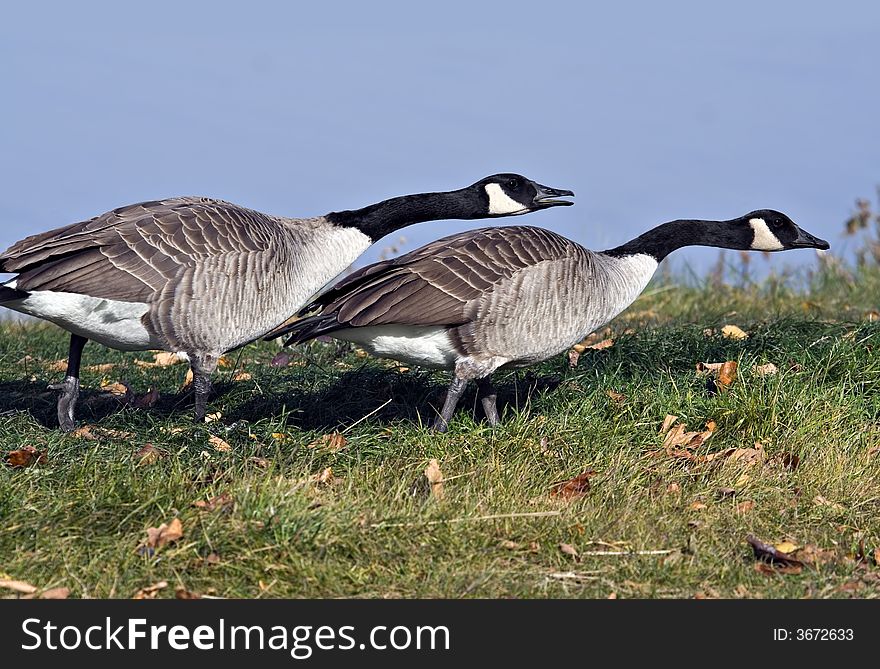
x: 324, y: 477
x: 727, y: 374
x: 182, y: 593
x: 57, y: 366
x: 115, y: 388
x: 819, y: 500
x: 733, y: 332
x: 219, y: 444
x: 150, y: 591
x: 435, y: 478
x: 333, y: 442
x: 187, y: 380
x: 25, y: 457
x: 697, y: 506
x: 668, y: 423
x: 765, y: 370
x: 164, y: 534
x: 148, y: 455
x: 100, y: 369
x: 745, y: 507
x: 573, y: 357
x: 619, y: 398
x: 509, y: 545
x: 786, y: 547
x: 242, y: 376
x: 161, y: 359
x: 17, y: 586
x: 574, y: 488
x: 568, y: 549
x: 773, y: 559
x: 221, y: 502
x: 55, y: 593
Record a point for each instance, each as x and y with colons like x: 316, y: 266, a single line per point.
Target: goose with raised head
x: 202, y: 276
x: 512, y: 296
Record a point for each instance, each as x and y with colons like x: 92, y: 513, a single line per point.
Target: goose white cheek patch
x: 501, y: 203
x: 764, y: 239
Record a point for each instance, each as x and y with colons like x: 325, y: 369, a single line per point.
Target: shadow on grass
x: 386, y: 396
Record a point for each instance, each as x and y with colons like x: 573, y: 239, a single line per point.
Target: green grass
x: 376, y: 530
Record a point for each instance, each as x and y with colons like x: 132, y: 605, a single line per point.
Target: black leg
x: 203, y: 365
x: 69, y: 388
x: 456, y: 390
x: 489, y: 398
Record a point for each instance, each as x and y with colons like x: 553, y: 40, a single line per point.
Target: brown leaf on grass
x: 773, y: 559
x: 568, y: 549
x: 242, y: 376
x: 573, y: 357
x: 164, y: 534
x: 57, y: 366
x: 17, y: 586
x: 733, y: 332
x: 100, y: 369
x: 573, y: 488
x: 745, y: 507
x: 333, y: 442
x: 819, y: 500
x: 324, y: 477
x: 618, y: 398
x: 187, y: 380
x: 161, y: 359
x: 148, y: 455
x: 219, y: 444
x: 213, y: 417
x: 435, y: 479
x: 115, y: 388
x: 789, y: 461
x: 765, y: 370
x: 668, y: 422
x: 55, y: 593
x: 150, y: 591
x: 721, y: 375
x: 26, y: 456
x: 773, y: 569
x: 146, y: 401
x: 679, y: 442
x: 697, y: 506
x: 182, y: 593
x: 221, y: 502
x: 509, y: 545
x: 727, y: 374
x: 749, y: 456
x: 95, y: 433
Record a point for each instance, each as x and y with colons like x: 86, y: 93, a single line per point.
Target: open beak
x: 546, y: 196
x: 805, y: 240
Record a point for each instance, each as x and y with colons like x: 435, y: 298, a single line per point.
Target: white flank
x: 109, y: 322
x: 500, y: 203
x: 764, y: 239
x: 429, y: 346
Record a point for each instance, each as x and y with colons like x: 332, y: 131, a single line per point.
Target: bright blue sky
x: 649, y: 111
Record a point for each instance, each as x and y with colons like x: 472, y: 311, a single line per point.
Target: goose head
x: 510, y: 194
x: 770, y: 230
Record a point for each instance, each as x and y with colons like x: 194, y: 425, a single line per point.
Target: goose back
x: 511, y: 295
x: 212, y: 275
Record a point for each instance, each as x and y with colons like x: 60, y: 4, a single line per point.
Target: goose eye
x: 513, y: 183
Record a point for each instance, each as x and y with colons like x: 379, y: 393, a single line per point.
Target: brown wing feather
x: 131, y: 253
x: 441, y: 283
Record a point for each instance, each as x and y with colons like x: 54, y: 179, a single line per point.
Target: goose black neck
x: 659, y: 242
x: 382, y: 218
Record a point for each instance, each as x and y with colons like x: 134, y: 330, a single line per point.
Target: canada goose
x: 203, y: 276
x: 510, y: 297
